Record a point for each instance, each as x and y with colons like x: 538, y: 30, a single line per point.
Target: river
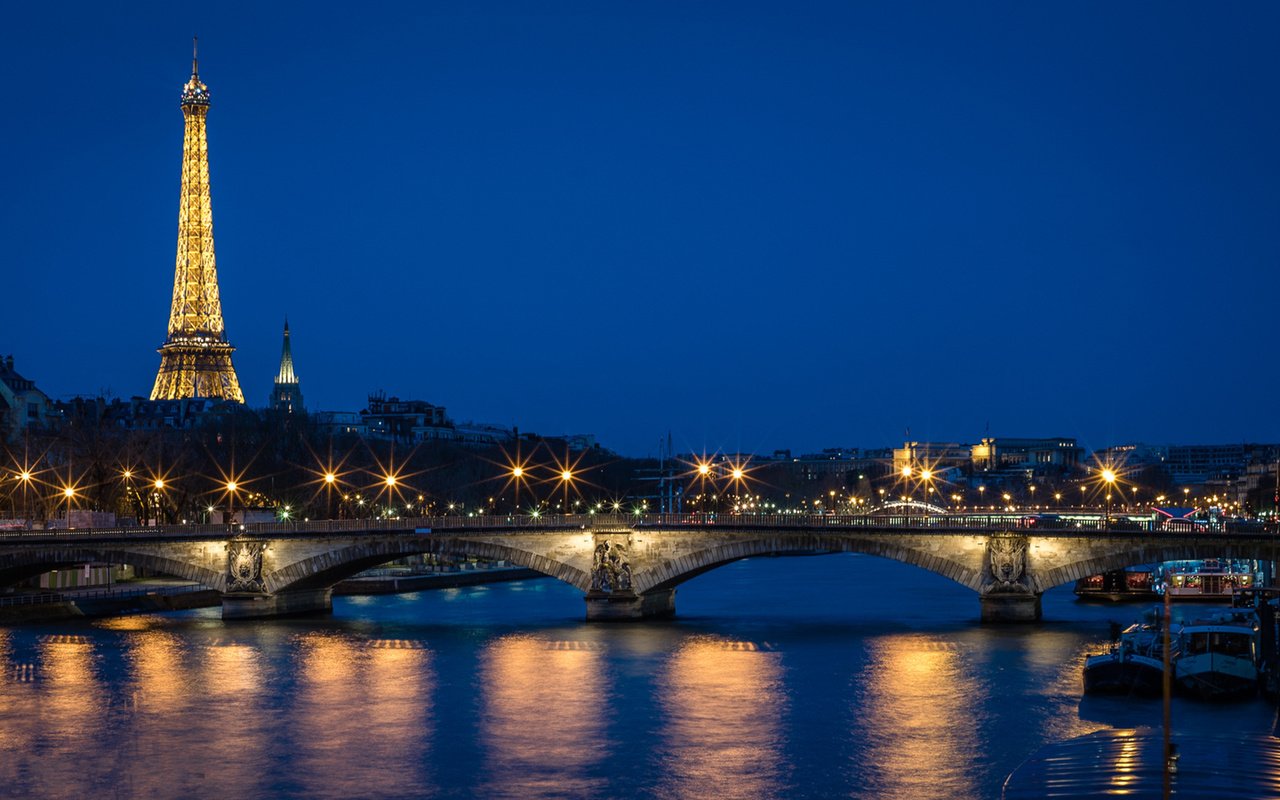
x: 812, y: 677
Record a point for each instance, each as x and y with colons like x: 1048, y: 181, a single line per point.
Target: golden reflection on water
x: 362, y: 719
x: 72, y: 698
x: 232, y: 720
x: 15, y: 733
x: 547, y: 710
x: 921, y: 711
x: 723, y: 704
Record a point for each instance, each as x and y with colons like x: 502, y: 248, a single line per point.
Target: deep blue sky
x: 756, y: 225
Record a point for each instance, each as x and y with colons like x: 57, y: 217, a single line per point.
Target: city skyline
x: 907, y: 238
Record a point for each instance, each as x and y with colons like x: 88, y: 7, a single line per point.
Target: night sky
x: 754, y: 225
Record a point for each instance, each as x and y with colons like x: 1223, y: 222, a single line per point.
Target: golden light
x: 127, y: 474
x: 566, y: 475
x: 906, y: 471
x: 389, y: 480
x: 926, y: 474
x: 159, y: 483
x: 231, y: 486
x: 1109, y: 475
x: 517, y: 471
x: 329, y: 477
x: 25, y: 476
x: 69, y: 492
x: 704, y: 469
x: 737, y: 473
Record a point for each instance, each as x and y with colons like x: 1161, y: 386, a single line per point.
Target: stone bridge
x: 626, y: 568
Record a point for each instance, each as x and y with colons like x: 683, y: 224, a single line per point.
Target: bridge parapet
x: 554, y: 522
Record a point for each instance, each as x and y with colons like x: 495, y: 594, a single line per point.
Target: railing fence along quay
x: 939, y: 523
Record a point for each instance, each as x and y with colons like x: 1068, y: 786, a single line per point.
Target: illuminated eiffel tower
x: 195, y: 360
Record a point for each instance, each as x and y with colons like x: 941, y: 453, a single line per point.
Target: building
x: 410, y: 421
x: 286, y: 395
x: 992, y: 453
x: 934, y: 455
x: 338, y: 423
x: 195, y: 360
x: 139, y: 413
x: 22, y: 405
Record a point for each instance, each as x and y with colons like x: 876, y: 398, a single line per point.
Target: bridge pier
x: 1010, y: 607
x: 624, y: 606
x: 257, y: 605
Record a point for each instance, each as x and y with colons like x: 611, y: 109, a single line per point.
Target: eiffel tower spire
x: 195, y: 360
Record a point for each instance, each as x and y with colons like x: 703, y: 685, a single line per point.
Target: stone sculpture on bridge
x: 610, y: 570
x: 244, y: 567
x: 1008, y: 556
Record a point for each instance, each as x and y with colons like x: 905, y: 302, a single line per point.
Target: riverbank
x: 156, y: 596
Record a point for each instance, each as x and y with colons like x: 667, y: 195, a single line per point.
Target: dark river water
x: 832, y: 676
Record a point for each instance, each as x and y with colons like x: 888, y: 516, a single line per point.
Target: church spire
x: 286, y: 359
x: 286, y: 395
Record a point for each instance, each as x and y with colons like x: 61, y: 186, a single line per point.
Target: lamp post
x: 1109, y: 478
x: 158, y: 485
x: 25, y: 477
x: 69, y: 492
x: 704, y: 472
x: 231, y: 487
x: 329, y: 480
x: 566, y: 478
x: 517, y: 475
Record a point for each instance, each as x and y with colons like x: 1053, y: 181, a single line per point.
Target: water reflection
x: 723, y: 704
x: 235, y: 718
x: 548, y: 706
x: 361, y: 723
x: 921, y: 711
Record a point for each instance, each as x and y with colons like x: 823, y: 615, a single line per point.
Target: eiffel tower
x: 195, y: 360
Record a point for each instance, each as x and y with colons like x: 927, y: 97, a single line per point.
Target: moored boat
x: 1217, y: 658
x: 1215, y: 579
x: 1134, y: 583
x: 1135, y: 664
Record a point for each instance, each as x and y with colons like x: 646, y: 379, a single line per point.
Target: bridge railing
x: 556, y: 522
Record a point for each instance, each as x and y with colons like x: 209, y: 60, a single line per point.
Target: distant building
x: 934, y: 455
x: 336, y: 423
x: 22, y: 405
x: 411, y: 421
x: 1000, y: 453
x: 286, y: 396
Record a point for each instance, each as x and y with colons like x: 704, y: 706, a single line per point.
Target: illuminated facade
x: 287, y: 394
x: 195, y: 360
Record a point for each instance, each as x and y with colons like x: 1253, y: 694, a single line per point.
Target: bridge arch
x: 324, y: 570
x: 1139, y: 552
x: 28, y: 563
x: 673, y: 573
x: 904, y: 507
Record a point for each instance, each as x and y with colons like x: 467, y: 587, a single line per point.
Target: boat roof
x: 1129, y: 761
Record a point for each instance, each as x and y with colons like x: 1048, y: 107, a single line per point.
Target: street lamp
x: 231, y: 487
x: 69, y: 492
x: 330, y: 480
x: 517, y: 475
x: 566, y: 477
x: 25, y: 477
x: 1109, y: 478
x: 158, y: 485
